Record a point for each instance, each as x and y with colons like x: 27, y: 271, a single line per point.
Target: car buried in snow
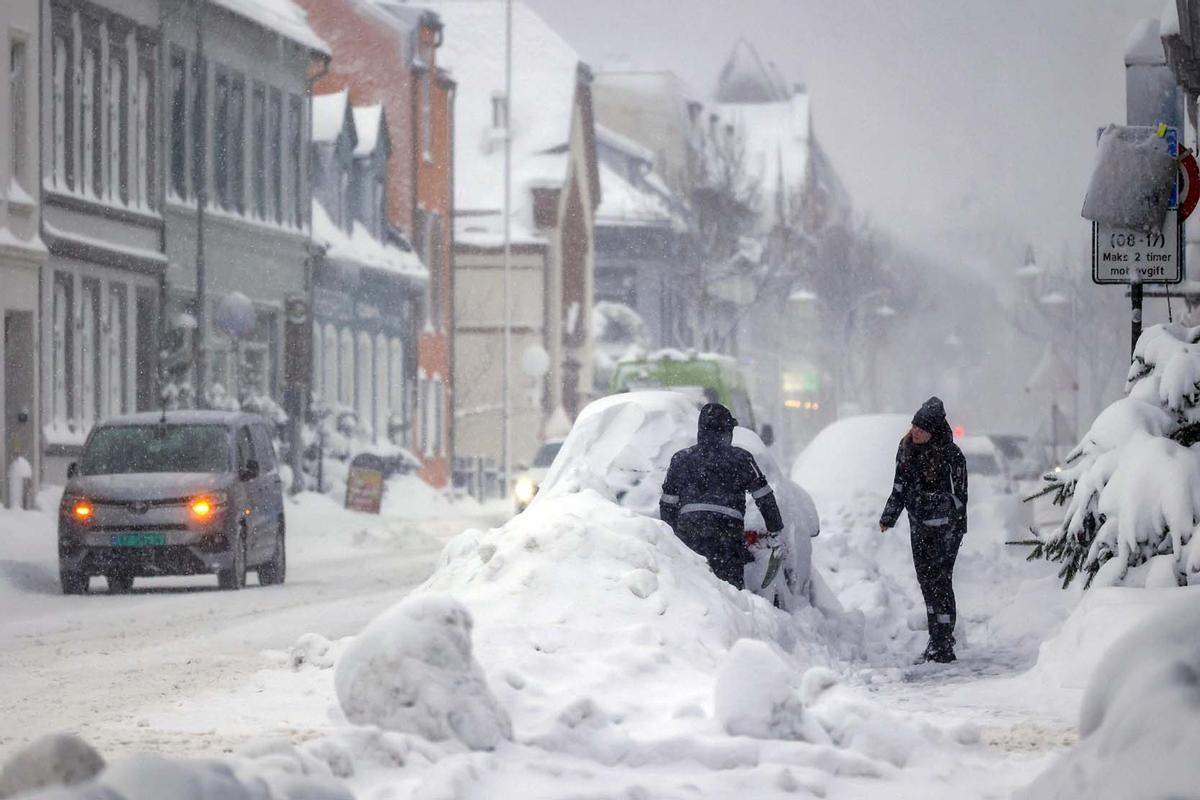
x: 621, y: 447
x: 177, y: 493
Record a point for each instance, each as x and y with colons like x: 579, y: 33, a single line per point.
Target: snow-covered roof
x: 746, y: 78
x: 360, y: 247
x: 329, y: 115
x: 544, y: 69
x: 776, y: 137
x: 628, y: 146
x: 368, y: 122
x: 624, y: 203
x: 282, y: 16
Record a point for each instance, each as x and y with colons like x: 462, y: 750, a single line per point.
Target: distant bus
x: 703, y: 379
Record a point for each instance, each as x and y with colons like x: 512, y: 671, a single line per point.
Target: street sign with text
x: 1124, y: 255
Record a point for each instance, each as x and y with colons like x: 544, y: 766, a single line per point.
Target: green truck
x: 703, y: 379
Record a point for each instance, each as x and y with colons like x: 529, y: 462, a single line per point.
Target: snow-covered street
x: 140, y: 671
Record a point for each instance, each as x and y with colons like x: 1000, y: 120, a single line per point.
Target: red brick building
x: 387, y: 53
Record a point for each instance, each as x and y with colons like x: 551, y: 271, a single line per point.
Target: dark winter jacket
x: 712, y: 479
x: 931, y: 482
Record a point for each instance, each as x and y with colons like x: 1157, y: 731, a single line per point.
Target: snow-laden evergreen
x: 1132, y: 485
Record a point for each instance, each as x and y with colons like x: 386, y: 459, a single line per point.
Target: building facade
x: 236, y: 142
x: 22, y: 254
x: 386, y: 53
x: 555, y: 191
x: 368, y: 286
x: 101, y: 217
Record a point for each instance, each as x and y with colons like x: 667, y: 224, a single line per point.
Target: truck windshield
x: 124, y: 449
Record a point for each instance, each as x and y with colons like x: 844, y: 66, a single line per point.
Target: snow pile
x: 411, y: 670
x: 755, y: 696
x: 1139, y: 724
x: 853, y: 457
x: 621, y: 447
x: 1132, y: 485
x: 55, y: 760
x: 146, y: 776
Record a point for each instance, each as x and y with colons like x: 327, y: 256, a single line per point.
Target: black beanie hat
x: 716, y: 417
x: 931, y: 416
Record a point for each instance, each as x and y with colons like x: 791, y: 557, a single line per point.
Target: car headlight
x: 203, y: 506
x: 525, y: 490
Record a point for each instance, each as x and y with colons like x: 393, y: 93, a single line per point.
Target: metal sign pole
x: 1135, y: 298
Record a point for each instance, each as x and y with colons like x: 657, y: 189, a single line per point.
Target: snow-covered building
x: 799, y: 196
x: 555, y: 191
x: 248, y: 118
x: 368, y: 284
x: 386, y: 53
x: 21, y: 252
x: 101, y: 217
x: 638, y: 225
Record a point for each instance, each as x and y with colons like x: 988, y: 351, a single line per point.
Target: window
x: 178, y: 123
x: 330, y: 359
x: 143, y: 167
x: 200, y: 129
x: 62, y: 366
x: 116, y: 351
x: 265, y: 449
x: 221, y: 130
x: 258, y: 170
x: 427, y: 116
x: 18, y: 84
x: 90, y: 113
x: 139, y: 449
x: 433, y: 260
x: 396, y: 378
x: 62, y: 105
x: 364, y: 391
x: 346, y: 369
x: 89, y: 352
x: 382, y: 386
x: 236, y: 143
x: 499, y: 111
x: 115, y: 183
x: 296, y: 157
x: 275, y: 154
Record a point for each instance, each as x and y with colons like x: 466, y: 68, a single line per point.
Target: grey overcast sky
x: 930, y: 109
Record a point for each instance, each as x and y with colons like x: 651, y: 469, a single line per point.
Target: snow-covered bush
x: 412, y: 670
x: 1139, y: 723
x: 1132, y: 486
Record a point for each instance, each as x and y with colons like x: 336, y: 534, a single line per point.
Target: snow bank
x: 411, y: 669
x: 146, y: 776
x: 60, y: 759
x: 1139, y: 724
x: 621, y: 446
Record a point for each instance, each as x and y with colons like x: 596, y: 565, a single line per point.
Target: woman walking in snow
x: 931, y: 483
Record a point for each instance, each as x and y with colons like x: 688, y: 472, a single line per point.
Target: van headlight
x: 525, y: 490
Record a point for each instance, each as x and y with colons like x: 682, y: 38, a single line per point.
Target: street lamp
x: 1029, y: 271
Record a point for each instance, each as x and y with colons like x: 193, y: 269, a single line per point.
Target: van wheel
x: 234, y: 578
x: 119, y: 583
x: 72, y: 582
x: 273, y: 572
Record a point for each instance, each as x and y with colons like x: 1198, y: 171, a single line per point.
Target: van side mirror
x: 767, y: 435
x: 72, y: 469
x: 250, y: 471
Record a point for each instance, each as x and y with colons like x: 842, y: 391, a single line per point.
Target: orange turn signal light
x: 83, y: 510
x: 202, y: 507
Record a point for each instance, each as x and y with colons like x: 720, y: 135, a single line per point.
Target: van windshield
x: 123, y: 449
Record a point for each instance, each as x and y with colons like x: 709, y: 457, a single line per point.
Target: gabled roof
x: 330, y: 113
x: 546, y: 75
x: 746, y: 78
x: 281, y: 16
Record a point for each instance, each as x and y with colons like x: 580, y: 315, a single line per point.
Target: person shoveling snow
x: 704, y: 498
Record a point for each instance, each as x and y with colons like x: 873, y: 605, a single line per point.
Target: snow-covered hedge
x: 1132, y: 486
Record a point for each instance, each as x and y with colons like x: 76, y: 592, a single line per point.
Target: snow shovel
x: 773, y: 566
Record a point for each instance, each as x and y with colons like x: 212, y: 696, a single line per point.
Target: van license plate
x: 139, y: 539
